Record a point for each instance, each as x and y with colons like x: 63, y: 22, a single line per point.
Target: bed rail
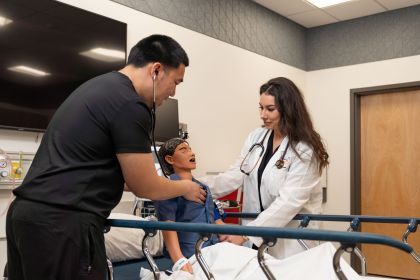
x: 347, y: 239
x: 355, y: 221
x: 335, y: 218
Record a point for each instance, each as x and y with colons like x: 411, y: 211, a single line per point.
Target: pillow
x: 124, y: 244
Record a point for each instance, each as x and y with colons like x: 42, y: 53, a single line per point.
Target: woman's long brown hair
x: 295, y: 121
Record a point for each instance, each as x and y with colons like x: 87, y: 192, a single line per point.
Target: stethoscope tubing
x: 152, y: 136
x: 260, y: 144
x: 279, y: 163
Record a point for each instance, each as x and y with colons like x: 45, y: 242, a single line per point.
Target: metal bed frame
x: 348, y: 240
x: 355, y: 222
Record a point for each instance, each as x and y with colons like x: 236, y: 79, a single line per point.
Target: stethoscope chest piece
x: 280, y: 163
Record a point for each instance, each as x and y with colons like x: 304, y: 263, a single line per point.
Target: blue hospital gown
x: 181, y: 210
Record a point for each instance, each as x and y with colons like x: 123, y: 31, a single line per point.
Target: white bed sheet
x: 231, y: 262
x: 124, y: 244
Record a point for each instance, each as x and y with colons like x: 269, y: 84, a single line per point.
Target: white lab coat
x: 285, y: 192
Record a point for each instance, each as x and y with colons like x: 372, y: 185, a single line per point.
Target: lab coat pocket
x: 277, y: 178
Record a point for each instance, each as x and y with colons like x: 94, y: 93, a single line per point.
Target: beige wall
x: 219, y: 100
x: 328, y: 96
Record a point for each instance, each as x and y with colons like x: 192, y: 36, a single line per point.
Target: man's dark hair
x: 158, y: 48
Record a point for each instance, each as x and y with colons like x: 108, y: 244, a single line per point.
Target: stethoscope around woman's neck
x: 280, y: 162
x: 260, y: 145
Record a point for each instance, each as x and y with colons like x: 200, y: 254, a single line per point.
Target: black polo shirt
x: 76, y: 165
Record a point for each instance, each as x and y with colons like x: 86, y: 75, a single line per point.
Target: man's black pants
x: 48, y: 242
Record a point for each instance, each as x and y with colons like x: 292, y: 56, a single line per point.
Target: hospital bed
x: 128, y: 270
x: 348, y: 240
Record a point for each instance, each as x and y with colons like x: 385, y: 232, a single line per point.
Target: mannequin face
x: 183, y: 158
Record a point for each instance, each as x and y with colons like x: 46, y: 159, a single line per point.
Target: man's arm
x: 142, y: 179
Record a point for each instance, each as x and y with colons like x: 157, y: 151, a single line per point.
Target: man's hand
x: 126, y: 188
x: 196, y: 193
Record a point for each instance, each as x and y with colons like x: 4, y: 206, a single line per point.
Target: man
x: 178, y: 160
x: 98, y: 139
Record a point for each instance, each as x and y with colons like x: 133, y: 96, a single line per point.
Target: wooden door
x: 390, y: 175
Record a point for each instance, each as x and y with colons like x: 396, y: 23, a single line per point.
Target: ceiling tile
x: 286, y: 8
x: 355, y: 9
x: 307, y: 15
x: 312, y: 18
x: 392, y: 4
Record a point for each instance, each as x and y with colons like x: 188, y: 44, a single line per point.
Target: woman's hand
x: 235, y: 239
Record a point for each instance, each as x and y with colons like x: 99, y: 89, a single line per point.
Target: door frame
x: 355, y: 177
x: 355, y: 96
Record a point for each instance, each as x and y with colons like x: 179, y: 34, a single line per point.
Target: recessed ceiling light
x: 4, y: 21
x: 103, y: 54
x: 326, y: 3
x: 28, y: 70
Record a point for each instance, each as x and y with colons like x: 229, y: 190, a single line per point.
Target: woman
x: 280, y: 166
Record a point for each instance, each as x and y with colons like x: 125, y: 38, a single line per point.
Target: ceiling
x: 308, y: 15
